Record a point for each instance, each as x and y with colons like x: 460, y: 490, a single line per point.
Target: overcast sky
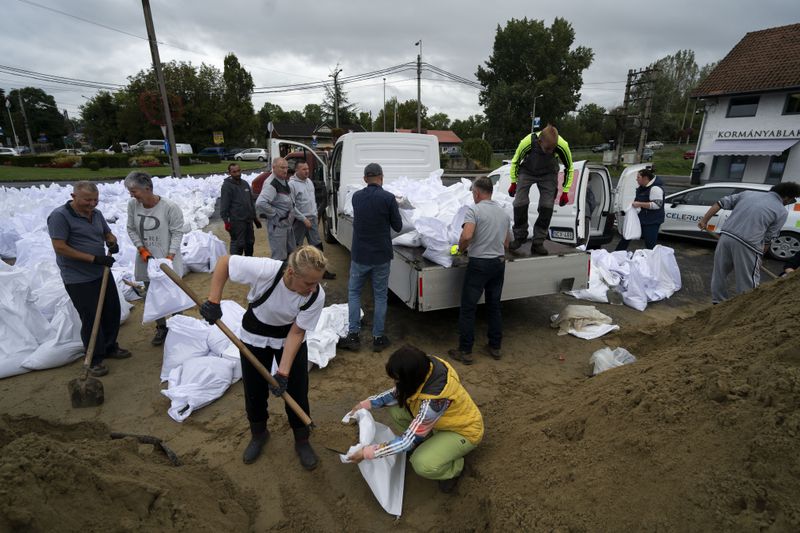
x: 283, y: 42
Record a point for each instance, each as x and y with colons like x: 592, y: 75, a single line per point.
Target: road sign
x: 314, y: 141
x: 270, y: 127
x: 218, y: 137
x: 537, y: 123
x: 42, y: 138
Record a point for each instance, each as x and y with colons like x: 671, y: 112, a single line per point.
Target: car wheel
x: 260, y: 158
x: 786, y: 246
x: 238, y: 158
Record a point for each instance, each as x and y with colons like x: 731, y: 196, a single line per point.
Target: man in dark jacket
x: 238, y: 212
x: 375, y: 214
x: 650, y: 202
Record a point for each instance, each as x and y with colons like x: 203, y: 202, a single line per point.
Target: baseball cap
x: 373, y: 169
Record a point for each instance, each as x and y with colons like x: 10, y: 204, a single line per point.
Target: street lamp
x: 533, y: 112
x: 384, y: 104
x: 419, y: 86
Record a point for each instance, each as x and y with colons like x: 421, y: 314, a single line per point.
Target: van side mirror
x: 676, y: 202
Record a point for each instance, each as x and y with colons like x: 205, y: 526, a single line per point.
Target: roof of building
x: 287, y: 129
x: 765, y: 60
x: 444, y: 136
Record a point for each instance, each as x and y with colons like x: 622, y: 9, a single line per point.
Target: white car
x: 4, y: 150
x: 654, y: 145
x: 683, y: 210
x: 70, y: 151
x: 252, y: 154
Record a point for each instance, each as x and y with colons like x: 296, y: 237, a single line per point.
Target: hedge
x: 479, y: 150
x: 28, y: 160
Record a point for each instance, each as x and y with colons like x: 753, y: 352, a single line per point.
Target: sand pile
x: 75, y: 478
x: 702, y: 433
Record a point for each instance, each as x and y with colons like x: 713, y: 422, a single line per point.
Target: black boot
x: 520, y: 227
x: 260, y: 434
x: 308, y: 458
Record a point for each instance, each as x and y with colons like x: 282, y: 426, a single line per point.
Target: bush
x: 105, y: 160
x: 144, y: 161
x: 93, y: 165
x: 479, y: 150
x: 67, y: 161
x: 183, y: 159
x: 29, y: 160
x: 443, y: 160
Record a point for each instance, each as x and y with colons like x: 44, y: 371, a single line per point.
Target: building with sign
x: 751, y: 125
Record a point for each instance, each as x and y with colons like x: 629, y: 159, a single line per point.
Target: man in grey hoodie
x: 275, y: 205
x: 306, y: 223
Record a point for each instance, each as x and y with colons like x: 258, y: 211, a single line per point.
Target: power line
x: 52, y: 78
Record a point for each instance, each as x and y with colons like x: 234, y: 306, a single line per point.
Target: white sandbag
x: 631, y: 228
x: 65, y: 346
x: 333, y: 324
x: 200, y: 251
x: 196, y: 383
x: 386, y: 475
x: 11, y: 364
x: 606, y: 358
x: 163, y: 297
x: 187, y: 338
x: 232, y: 354
x: 582, y: 321
x: 27, y: 324
x: 130, y: 289
x: 232, y: 314
x: 412, y: 239
x: 47, y: 296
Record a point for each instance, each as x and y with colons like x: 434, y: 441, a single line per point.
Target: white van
x: 156, y: 146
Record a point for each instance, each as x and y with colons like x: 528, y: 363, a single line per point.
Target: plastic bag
x: 631, y: 228
x: 386, y: 475
x: 606, y: 358
x: 163, y: 297
x: 187, y: 338
x: 197, y: 383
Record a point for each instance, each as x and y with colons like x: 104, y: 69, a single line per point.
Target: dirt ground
x: 702, y: 433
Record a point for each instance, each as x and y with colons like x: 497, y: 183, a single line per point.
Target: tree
x: 473, y: 127
x: 269, y: 113
x: 44, y: 118
x: 237, y: 104
x: 514, y: 75
x: 100, y: 118
x: 437, y: 121
x: 365, y: 120
x: 336, y: 98
x: 407, y: 114
x: 312, y: 113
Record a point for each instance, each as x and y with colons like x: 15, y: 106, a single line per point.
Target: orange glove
x: 145, y: 254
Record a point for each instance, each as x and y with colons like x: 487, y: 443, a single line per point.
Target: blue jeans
x: 649, y: 235
x: 482, y: 275
x: 379, y: 274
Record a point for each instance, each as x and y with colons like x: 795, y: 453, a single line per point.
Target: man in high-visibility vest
x: 535, y: 163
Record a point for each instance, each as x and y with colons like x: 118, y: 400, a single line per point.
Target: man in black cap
x: 375, y: 214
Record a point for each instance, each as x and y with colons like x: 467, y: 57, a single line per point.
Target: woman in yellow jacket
x: 440, y: 422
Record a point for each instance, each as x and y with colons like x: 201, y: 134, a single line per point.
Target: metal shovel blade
x: 86, y: 392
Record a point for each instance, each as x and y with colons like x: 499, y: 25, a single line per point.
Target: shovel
x: 85, y: 391
x: 762, y: 267
x: 242, y: 348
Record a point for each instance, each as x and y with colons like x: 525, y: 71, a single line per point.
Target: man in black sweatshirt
x: 238, y: 212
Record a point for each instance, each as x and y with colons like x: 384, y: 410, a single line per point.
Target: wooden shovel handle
x: 239, y: 344
x: 87, y: 360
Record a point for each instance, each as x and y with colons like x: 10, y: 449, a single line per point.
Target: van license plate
x: 557, y: 234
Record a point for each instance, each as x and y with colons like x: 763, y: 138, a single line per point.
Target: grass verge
x: 15, y: 174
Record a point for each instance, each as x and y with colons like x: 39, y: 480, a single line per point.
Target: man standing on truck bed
x: 535, y: 163
x: 375, y: 214
x: 238, y: 212
x: 484, y: 238
x: 275, y: 205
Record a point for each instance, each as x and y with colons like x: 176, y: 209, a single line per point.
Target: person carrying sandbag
x: 439, y: 419
x: 286, y: 300
x: 650, y: 203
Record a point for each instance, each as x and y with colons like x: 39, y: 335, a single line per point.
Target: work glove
x: 211, y: 311
x: 113, y: 247
x: 512, y: 190
x: 282, y: 380
x: 103, y: 260
x: 257, y: 223
x: 145, y: 254
x: 228, y: 227
x: 564, y: 199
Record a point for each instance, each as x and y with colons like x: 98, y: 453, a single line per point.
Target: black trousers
x: 256, y: 388
x: 483, y: 276
x: 84, y: 297
x: 649, y: 236
x: 242, y: 237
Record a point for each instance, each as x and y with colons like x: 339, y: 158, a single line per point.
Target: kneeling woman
x: 286, y: 300
x: 439, y: 420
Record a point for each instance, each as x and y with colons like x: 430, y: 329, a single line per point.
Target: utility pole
x: 151, y: 37
x: 646, y: 78
x: 419, y: 86
x: 384, y: 104
x: 13, y: 129
x: 648, y: 106
x: 395, y: 115
x: 25, y: 121
x: 335, y: 77
x: 623, y: 122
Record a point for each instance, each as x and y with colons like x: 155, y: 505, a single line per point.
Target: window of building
x: 728, y: 168
x: 743, y: 106
x: 777, y: 164
x: 792, y: 106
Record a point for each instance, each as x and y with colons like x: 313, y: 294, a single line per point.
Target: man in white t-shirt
x: 285, y: 301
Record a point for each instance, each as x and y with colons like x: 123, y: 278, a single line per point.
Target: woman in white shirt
x: 285, y: 300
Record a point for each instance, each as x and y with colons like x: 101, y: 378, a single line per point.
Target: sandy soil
x: 702, y: 433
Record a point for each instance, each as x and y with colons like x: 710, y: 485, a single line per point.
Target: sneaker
x: 351, y: 342
x: 98, y: 370
x: 308, y: 458
x: 539, y: 249
x: 494, y: 352
x: 462, y: 357
x: 254, y: 447
x: 328, y: 275
x: 160, y: 336
x: 119, y: 353
x: 380, y: 343
x: 516, y: 243
x: 447, y: 486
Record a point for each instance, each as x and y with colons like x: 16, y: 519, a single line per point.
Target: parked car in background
x: 689, y: 154
x: 683, y: 210
x: 654, y: 145
x: 252, y: 154
x: 601, y: 147
x: 123, y: 146
x: 156, y: 146
x: 70, y: 151
x: 22, y: 150
x: 213, y: 150
x: 6, y: 150
x: 230, y: 153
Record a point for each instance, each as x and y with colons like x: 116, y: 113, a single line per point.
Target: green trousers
x: 441, y: 456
